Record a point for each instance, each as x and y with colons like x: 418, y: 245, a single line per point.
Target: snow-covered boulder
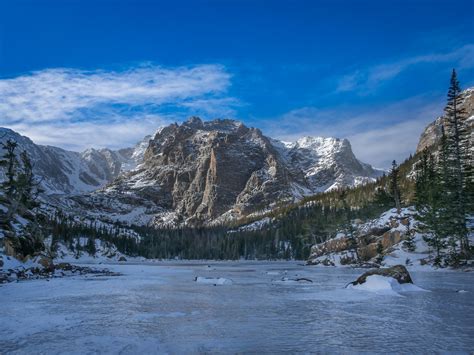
x: 398, y: 272
x: 384, y: 285
x: 212, y: 280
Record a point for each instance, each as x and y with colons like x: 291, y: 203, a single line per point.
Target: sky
x: 103, y: 73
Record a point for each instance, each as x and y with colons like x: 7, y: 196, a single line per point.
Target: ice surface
x: 157, y: 308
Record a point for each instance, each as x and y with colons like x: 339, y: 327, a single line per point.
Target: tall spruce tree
x: 457, y: 161
x: 10, y: 162
x: 394, y: 186
x: 28, y: 188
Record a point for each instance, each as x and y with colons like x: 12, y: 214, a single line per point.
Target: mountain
x: 327, y: 163
x: 210, y: 172
x: 432, y: 134
x: 66, y: 172
x: 194, y: 173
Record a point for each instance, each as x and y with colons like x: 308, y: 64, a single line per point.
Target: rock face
x: 398, y: 272
x: 65, y: 172
x: 432, y: 133
x: 199, y: 172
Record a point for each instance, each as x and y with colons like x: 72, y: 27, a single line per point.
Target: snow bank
x: 213, y: 280
x: 385, y: 285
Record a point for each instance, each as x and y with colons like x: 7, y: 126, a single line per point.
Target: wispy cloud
x: 78, y: 136
x: 377, y: 135
x: 370, y: 78
x: 69, y: 106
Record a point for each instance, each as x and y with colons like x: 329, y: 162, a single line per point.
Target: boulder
x: 64, y: 266
x: 330, y: 246
x: 405, y: 221
x: 390, y: 238
x: 368, y: 252
x: 394, y: 223
x: 320, y: 261
x: 398, y: 272
x: 373, y: 231
x: 46, y: 262
x: 122, y: 258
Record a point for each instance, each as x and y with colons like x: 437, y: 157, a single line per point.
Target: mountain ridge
x: 195, y: 172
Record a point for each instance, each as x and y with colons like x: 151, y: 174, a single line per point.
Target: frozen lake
x: 159, y: 308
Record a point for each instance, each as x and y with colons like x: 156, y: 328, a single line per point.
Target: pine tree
x: 90, y: 247
x: 9, y: 160
x: 28, y: 189
x: 457, y: 159
x: 394, y: 186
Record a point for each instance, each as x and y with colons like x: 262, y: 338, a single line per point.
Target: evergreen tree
x: 10, y: 162
x: 429, y: 202
x: 394, y: 186
x: 457, y: 161
x: 28, y: 189
x: 90, y: 247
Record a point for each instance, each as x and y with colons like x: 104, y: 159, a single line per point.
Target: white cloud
x: 68, y: 107
x: 82, y: 135
x: 370, y: 78
x: 377, y: 136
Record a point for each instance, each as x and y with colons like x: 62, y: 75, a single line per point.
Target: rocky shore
x: 39, y: 271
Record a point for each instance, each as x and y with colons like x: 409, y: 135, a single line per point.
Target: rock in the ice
x: 294, y: 281
x: 213, y: 280
x: 397, y: 272
x: 384, y: 285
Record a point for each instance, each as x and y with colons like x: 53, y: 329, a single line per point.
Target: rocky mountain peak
x: 202, y: 171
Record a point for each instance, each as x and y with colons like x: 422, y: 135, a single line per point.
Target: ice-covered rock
x: 212, y: 280
x: 384, y: 284
x: 397, y: 272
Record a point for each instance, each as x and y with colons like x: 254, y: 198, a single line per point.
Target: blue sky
x: 105, y: 73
